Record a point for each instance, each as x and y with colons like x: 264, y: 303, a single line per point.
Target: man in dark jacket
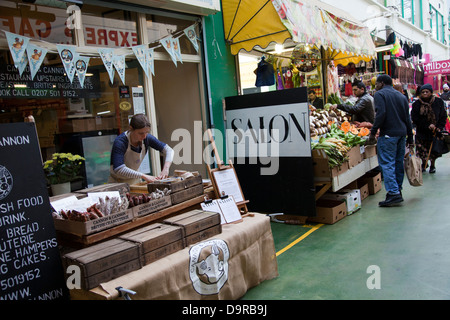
x: 363, y: 110
x: 393, y: 120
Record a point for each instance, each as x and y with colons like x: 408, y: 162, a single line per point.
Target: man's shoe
x: 391, y: 200
x: 432, y: 170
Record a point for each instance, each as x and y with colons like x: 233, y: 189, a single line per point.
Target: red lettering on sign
x: 101, y: 33
x: 9, y: 22
x: 124, y: 36
x: 90, y: 36
x: 25, y: 28
x: 134, y: 38
x: 47, y: 29
x: 113, y: 37
x: 68, y: 32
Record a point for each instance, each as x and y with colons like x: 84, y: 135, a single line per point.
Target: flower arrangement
x: 63, y: 167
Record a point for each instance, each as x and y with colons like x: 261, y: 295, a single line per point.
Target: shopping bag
x: 439, y: 146
x: 413, y: 169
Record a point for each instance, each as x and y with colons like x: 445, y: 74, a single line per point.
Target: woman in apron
x: 129, y: 150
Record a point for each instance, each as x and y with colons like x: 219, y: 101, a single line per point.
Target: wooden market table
x: 242, y: 256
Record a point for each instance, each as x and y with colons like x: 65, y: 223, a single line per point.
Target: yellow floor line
x: 299, y: 239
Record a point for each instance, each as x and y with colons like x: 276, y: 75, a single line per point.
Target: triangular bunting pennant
x: 81, y: 65
x: 150, y: 61
x: 68, y: 55
x: 36, y: 56
x: 17, y: 45
x: 167, y: 44
x: 119, y: 64
x: 177, y: 49
x: 22, y: 63
x: 192, y: 36
x: 107, y: 57
x: 141, y: 54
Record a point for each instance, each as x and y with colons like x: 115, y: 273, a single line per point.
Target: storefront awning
x: 250, y: 23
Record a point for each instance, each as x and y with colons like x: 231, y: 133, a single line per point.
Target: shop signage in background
x: 49, y: 82
x: 30, y: 263
x: 269, y: 142
x: 436, y: 67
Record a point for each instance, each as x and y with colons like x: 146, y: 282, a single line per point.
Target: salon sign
x: 437, y: 67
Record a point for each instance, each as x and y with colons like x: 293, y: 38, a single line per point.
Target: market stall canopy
x: 250, y: 23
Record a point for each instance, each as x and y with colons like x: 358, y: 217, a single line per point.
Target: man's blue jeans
x: 391, y: 152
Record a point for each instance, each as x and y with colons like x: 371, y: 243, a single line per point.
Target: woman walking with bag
x: 429, y: 116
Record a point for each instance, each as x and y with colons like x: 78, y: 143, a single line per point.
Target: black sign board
x: 269, y: 142
x: 30, y: 262
x: 49, y: 82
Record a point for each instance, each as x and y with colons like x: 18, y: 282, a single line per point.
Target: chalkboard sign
x: 30, y: 263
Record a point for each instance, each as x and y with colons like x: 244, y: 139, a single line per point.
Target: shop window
x: 70, y: 117
x: 158, y: 27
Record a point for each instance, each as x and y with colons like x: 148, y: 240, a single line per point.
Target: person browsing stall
x: 129, y: 150
x: 363, y: 110
x: 395, y: 131
x: 314, y: 100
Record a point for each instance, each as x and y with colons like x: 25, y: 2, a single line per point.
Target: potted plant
x: 61, y: 170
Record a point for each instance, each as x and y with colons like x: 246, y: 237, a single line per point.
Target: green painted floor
x: 410, y: 246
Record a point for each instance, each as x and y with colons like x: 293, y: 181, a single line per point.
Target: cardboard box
x: 156, y: 241
x: 370, y: 151
x: 82, y: 125
x: 373, y: 179
x: 322, y: 169
x: 352, y: 199
x: 329, y: 211
x: 92, y: 226
x: 362, y: 186
x: 196, y: 224
x: 104, y: 261
x: 151, y: 206
x: 355, y: 156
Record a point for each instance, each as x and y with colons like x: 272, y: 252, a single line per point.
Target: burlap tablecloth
x: 223, y: 267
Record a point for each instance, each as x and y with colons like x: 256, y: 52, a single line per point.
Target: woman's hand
x: 432, y: 127
x: 164, y: 174
x: 148, y: 178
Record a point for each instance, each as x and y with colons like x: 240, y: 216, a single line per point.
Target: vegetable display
x: 338, y: 142
x: 320, y: 120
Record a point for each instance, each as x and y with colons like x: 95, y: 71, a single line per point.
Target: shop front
x: 82, y: 112
x: 437, y: 73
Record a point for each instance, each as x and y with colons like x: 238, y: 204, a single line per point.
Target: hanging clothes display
x: 265, y: 74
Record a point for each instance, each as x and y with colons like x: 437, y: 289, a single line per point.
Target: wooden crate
x: 104, y: 261
x: 156, y: 241
x: 123, y: 188
x: 180, y: 190
x: 197, y: 224
x: 151, y: 206
x: 174, y: 184
x: 93, y: 226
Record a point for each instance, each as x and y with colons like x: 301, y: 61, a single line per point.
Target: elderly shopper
x: 429, y: 116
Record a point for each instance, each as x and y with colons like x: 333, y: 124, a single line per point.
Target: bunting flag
x: 22, y: 63
x: 119, y: 64
x: 192, y: 36
x: 23, y: 53
x: 36, y: 56
x: 68, y: 54
x: 167, y: 44
x: 107, y: 57
x: 150, y: 60
x: 176, y: 49
x: 17, y: 45
x: 81, y: 65
x: 141, y: 54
